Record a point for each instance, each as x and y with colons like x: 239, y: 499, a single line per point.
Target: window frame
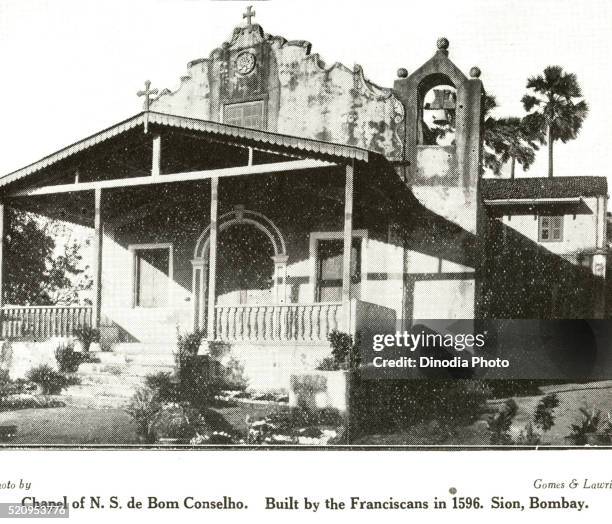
x: 315, y: 237
x: 242, y: 104
x: 134, y: 249
x: 551, y: 228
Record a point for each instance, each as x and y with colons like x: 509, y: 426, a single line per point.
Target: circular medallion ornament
x: 245, y: 63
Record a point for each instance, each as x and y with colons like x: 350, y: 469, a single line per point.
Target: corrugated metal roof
x: 194, y: 124
x: 541, y: 188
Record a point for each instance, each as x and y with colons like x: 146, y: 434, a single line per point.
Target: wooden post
x: 156, y: 160
x: 97, y: 297
x: 348, y: 247
x: 212, y: 258
x: 2, y: 225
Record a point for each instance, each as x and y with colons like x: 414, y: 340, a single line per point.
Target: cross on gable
x: 147, y: 92
x: 249, y: 15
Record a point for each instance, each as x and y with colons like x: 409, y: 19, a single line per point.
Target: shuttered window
x: 247, y: 114
x: 550, y: 229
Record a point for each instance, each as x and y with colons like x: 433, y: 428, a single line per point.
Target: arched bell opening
x: 436, y: 115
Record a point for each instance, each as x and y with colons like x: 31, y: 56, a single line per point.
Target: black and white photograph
x: 305, y: 225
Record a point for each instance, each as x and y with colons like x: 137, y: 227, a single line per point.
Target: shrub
x: 6, y: 384
x: 143, y: 408
x: 87, y: 335
x: 588, y: 424
x: 345, y: 352
x: 175, y: 421
x: 387, y: 405
x: 544, y: 416
x: 163, y: 386
x: 500, y: 423
x: 68, y: 360
x: 50, y: 381
x: 197, y: 384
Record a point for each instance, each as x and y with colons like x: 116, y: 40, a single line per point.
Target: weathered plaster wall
x: 581, y: 232
x: 302, y: 95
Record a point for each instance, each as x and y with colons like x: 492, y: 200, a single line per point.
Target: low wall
x: 269, y: 367
x: 19, y: 357
x: 314, y: 390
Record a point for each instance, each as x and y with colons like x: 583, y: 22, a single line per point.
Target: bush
x: 195, y: 373
x: 143, y: 408
x: 163, y: 386
x: 500, y: 423
x: 175, y: 421
x: 387, y: 405
x: 345, y: 352
x: 68, y: 360
x: 591, y: 427
x: 50, y: 381
x: 6, y: 384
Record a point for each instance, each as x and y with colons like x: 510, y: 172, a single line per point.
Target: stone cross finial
x: 147, y: 92
x: 249, y: 15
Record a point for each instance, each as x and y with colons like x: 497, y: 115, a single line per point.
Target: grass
x: 70, y: 425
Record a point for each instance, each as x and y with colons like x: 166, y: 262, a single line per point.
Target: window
x: 152, y: 275
x: 248, y: 114
x: 329, y: 268
x: 550, y: 229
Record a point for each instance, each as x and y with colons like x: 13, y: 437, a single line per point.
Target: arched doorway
x: 251, y: 262
x: 245, y: 268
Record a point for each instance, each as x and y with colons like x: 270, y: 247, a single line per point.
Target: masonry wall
x: 302, y: 95
x: 582, y: 231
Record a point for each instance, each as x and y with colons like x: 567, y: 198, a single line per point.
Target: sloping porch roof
x: 286, y: 143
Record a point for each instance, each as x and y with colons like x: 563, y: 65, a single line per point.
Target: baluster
x: 219, y: 319
x: 264, y: 323
x: 276, y: 312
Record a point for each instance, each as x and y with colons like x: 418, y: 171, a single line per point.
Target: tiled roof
x: 283, y: 142
x: 556, y: 187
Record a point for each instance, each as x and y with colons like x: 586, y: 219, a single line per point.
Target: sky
x: 72, y: 67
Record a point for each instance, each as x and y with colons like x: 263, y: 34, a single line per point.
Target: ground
x: 70, y: 425
x: 77, y: 426
x: 596, y: 395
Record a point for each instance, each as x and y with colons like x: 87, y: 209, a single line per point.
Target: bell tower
x: 443, y: 136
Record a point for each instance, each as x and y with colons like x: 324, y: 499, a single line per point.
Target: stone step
x: 102, y: 390
x: 137, y: 348
x: 101, y: 379
x: 151, y: 360
x: 108, y: 357
x: 126, y: 370
x: 97, y: 402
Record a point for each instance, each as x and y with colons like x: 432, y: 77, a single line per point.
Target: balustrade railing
x: 281, y: 322
x: 42, y: 322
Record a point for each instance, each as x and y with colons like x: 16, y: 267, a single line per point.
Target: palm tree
x: 508, y: 140
x: 553, y: 108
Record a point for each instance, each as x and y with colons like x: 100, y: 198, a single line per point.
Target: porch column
x: 348, y: 251
x: 280, y: 278
x: 156, y: 160
x: 212, y: 258
x: 97, y: 295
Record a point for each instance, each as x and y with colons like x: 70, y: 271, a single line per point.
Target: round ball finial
x: 475, y: 72
x: 402, y: 72
x: 443, y: 43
